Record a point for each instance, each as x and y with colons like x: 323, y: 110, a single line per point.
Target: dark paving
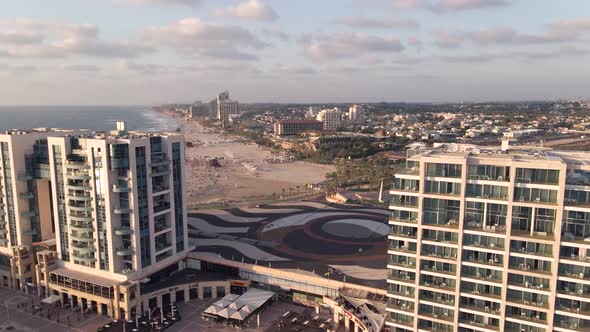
x: 308, y: 246
x: 16, y: 312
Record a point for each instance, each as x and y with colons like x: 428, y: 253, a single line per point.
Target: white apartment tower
x: 226, y: 107
x: 117, y: 201
x: 356, y: 114
x: 486, y: 239
x: 332, y: 118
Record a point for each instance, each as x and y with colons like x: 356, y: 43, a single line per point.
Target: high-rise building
x: 25, y: 204
x: 118, y: 209
x: 356, y: 114
x: 490, y: 239
x: 332, y: 118
x: 225, y: 108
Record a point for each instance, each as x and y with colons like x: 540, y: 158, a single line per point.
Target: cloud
x: 281, y: 69
x: 440, y: 6
x: 192, y: 37
x: 347, y: 45
x: 372, y: 23
x: 563, y: 31
x: 190, y: 3
x: 276, y: 34
x: 82, y: 68
x: 251, y: 9
x: 49, y: 39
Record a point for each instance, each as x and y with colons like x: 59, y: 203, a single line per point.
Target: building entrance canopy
x: 51, y: 300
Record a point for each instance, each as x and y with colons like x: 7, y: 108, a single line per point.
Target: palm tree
x: 283, y: 195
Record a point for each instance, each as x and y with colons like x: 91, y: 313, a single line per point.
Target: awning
x: 239, y: 307
x: 52, y: 299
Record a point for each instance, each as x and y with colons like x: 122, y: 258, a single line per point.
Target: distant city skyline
x: 122, y: 52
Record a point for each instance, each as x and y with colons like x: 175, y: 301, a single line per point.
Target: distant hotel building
x: 356, y: 114
x: 297, y: 127
x: 486, y: 239
x: 331, y: 118
x: 222, y: 108
x: 118, y: 209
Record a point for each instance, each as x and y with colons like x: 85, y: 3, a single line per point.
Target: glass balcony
x: 440, y: 236
x: 531, y: 298
x: 83, y: 247
x: 401, y: 290
x: 163, y: 246
x: 571, y: 323
x: 530, y: 265
x: 78, y: 176
x: 488, y: 307
x: 574, y: 271
x: 439, y: 252
x: 535, y: 195
x: 404, y: 276
x: 488, y: 173
x: 572, y: 306
x: 87, y: 238
x: 482, y: 274
x: 82, y: 207
x: 80, y: 217
x: 121, y: 189
x: 482, y: 241
x: 402, y: 246
x: 480, y: 257
x: 439, y: 267
x: 406, y: 185
x: 404, y: 200
x: 82, y: 227
x: 526, y: 314
x: 436, y: 312
x: 493, y: 292
x: 427, y: 325
x: 487, y: 191
x: 537, y: 176
x: 437, y: 282
x: 123, y: 230
x: 406, y: 320
x: 86, y: 258
x: 573, y: 288
x: 124, y: 251
x: 122, y: 210
x: 576, y: 226
x: 401, y: 304
x: 531, y: 248
x: 479, y: 322
x: 404, y: 216
x: 403, y: 261
x: 443, y: 170
x: 442, y: 188
x: 403, y: 231
x: 437, y: 297
x: 534, y: 283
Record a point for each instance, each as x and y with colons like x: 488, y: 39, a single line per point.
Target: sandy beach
x: 243, y: 171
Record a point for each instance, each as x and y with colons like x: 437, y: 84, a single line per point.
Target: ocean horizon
x: 98, y: 118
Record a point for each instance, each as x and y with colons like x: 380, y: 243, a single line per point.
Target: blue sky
x: 62, y: 52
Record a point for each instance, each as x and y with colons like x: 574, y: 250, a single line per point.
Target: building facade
x: 297, y: 127
x: 490, y: 240
x: 331, y: 118
x: 225, y: 108
x: 117, y: 204
x: 356, y: 114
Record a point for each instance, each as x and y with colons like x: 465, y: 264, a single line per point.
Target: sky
x: 145, y: 52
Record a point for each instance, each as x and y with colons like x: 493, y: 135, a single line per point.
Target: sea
x: 97, y: 118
